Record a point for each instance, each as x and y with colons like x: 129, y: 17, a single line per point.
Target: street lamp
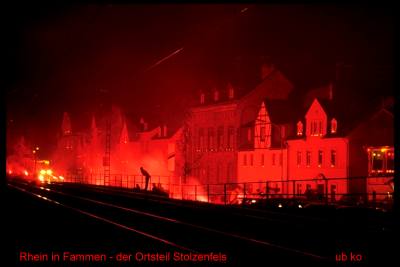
x: 35, y: 158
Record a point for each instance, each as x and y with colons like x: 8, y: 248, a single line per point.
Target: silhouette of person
x: 147, y: 176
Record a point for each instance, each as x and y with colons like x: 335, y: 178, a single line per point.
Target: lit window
x: 390, y: 162
x: 381, y: 160
x: 320, y: 157
x: 220, y: 137
x: 230, y: 137
x: 298, y: 158
x: 333, y: 158
x: 201, y: 139
x: 298, y: 189
x: 333, y: 126
x: 320, y: 128
x: 262, y: 133
x: 211, y: 139
x: 308, y: 158
x: 299, y: 128
x: 231, y: 92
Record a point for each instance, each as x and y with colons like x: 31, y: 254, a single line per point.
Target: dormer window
x: 299, y: 128
x: 333, y: 126
x: 216, y: 95
x: 202, y: 98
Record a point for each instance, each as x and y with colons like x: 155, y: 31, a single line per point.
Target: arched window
x: 299, y: 128
x: 333, y: 125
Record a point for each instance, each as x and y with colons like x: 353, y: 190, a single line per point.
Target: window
x: 333, y: 126
x: 390, y: 162
x: 333, y: 158
x: 381, y: 160
x: 262, y: 133
x: 249, y: 134
x: 273, y: 159
x: 202, y: 98
x: 320, y: 128
x: 201, y: 139
x: 320, y: 157
x: 220, y: 137
x: 216, y: 95
x: 229, y: 172
x: 308, y: 158
x: 211, y: 139
x: 262, y: 161
x: 377, y: 161
x: 298, y: 158
x: 316, y: 128
x: 245, y: 160
x: 280, y: 158
x: 298, y: 189
x: 299, y: 128
x: 251, y: 159
x: 231, y: 92
x: 230, y: 137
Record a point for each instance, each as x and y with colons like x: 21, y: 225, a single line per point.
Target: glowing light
x: 42, y: 172
x: 300, y: 206
x: 280, y: 205
x: 10, y: 172
x: 41, y: 178
x: 383, y: 149
x: 253, y: 201
x: 49, y: 172
x: 61, y: 178
x: 26, y: 173
x: 37, y: 148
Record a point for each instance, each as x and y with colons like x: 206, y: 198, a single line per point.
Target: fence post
x: 225, y: 193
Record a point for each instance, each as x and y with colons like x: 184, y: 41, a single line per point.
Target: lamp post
x: 35, y: 158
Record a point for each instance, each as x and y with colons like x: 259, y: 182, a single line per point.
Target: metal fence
x: 354, y: 190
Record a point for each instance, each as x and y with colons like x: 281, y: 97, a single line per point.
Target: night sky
x: 72, y: 58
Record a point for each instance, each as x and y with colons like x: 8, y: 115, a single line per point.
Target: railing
x: 353, y: 191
